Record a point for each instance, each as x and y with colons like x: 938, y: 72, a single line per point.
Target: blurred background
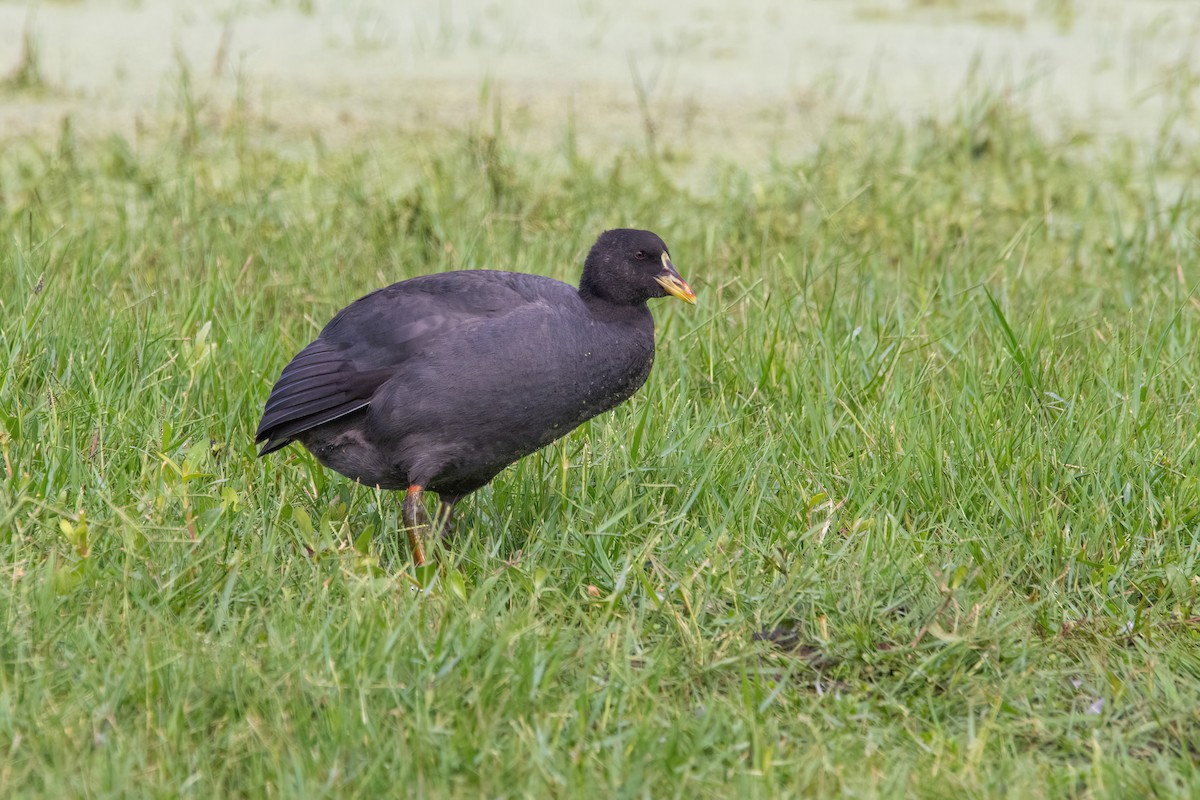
x: 689, y: 77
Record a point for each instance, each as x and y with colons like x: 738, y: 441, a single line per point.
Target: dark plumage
x: 439, y: 382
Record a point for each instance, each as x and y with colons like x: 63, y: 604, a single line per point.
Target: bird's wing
x: 368, y: 341
x: 320, y: 384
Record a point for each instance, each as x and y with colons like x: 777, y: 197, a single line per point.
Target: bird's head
x: 628, y: 267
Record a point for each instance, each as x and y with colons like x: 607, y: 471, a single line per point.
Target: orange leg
x: 416, y: 522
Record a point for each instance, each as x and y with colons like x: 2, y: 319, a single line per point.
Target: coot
x: 439, y: 382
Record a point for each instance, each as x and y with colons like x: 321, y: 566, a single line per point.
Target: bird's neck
x: 604, y: 310
x: 593, y: 291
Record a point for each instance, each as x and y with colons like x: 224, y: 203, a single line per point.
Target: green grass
x: 933, y: 426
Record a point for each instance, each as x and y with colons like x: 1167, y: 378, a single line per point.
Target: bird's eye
x: 640, y: 255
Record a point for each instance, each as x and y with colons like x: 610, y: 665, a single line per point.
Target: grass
x: 909, y: 505
x: 27, y: 75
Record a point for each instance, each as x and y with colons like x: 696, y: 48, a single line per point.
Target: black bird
x: 439, y: 382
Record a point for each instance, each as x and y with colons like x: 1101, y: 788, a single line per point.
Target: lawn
x: 910, y: 503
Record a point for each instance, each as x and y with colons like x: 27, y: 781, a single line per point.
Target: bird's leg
x: 445, y: 517
x: 416, y: 521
